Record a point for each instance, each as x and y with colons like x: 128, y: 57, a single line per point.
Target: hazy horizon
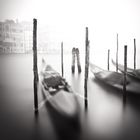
x: 66, y: 21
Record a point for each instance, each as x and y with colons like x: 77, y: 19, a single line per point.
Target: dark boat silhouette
x: 115, y: 79
x: 57, y: 91
x: 61, y: 104
x: 131, y: 72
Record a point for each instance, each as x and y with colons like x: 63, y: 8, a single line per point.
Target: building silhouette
x: 15, y: 37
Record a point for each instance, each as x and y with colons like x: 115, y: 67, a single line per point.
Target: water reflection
x: 116, y: 117
x: 107, y: 116
x: 66, y: 126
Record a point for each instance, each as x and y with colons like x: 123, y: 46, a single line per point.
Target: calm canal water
x: 107, y: 116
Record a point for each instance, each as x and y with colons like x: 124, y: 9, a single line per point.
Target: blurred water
x: 107, y: 117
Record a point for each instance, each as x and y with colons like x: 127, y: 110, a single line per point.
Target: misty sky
x: 86, y: 12
x: 68, y: 18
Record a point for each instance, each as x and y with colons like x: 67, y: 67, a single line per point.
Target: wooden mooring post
x: 78, y: 60
x: 35, y: 69
x: 125, y: 72
x: 86, y: 67
x: 134, y: 54
x: 117, y: 54
x: 108, y: 58
x: 73, y: 60
x: 62, y: 66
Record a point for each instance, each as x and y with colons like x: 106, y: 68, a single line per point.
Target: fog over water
x: 106, y: 118
x: 66, y: 21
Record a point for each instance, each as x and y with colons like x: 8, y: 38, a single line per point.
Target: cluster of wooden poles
x: 87, y: 50
x: 35, y: 68
x: 108, y: 60
x: 125, y: 64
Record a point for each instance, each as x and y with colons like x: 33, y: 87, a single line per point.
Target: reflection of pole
x: 134, y: 54
x: 117, y: 55
x: 35, y: 69
x: 108, y: 58
x: 62, y: 58
x: 125, y: 71
x: 86, y: 66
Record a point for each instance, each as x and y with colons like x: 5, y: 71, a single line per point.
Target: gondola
x: 58, y: 93
x: 131, y: 72
x: 115, y: 79
x: 61, y: 103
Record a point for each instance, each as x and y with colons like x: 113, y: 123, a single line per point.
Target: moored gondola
x: 58, y: 92
x: 115, y: 79
x: 130, y: 72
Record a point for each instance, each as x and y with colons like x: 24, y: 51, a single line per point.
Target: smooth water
x: 107, y: 116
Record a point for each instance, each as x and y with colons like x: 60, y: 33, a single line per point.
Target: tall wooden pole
x: 125, y: 71
x: 62, y: 68
x: 134, y: 54
x: 35, y: 69
x: 108, y: 58
x: 86, y: 67
x: 117, y: 54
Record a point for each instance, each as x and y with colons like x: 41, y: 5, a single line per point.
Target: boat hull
x: 130, y: 72
x: 115, y: 80
x: 62, y: 99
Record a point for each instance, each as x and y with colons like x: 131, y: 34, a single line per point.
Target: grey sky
x: 69, y: 18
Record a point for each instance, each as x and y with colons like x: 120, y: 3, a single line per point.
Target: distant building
x: 15, y: 37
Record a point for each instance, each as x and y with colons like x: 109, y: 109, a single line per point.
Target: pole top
x: 34, y: 20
